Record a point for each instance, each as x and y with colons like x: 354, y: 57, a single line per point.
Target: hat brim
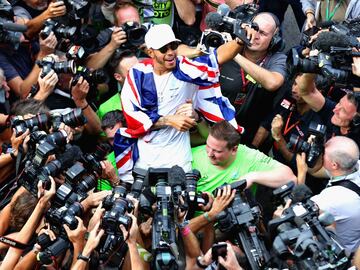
x: 163, y: 44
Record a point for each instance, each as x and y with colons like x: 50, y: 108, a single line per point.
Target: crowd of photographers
x: 179, y: 134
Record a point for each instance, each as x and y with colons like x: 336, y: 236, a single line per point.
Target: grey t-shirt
x: 251, y: 101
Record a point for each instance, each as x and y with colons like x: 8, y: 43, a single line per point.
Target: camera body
x: 312, y: 149
x: 212, y: 39
x: 60, y: 30
x: 300, y: 237
x: 48, y: 63
x: 116, y: 206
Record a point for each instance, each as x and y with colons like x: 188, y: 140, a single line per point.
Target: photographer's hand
x: 46, y: 85
x: 79, y: 92
x: 56, y: 9
x: 133, y: 232
x: 93, y: 240
x: 276, y: 127
x: 96, y: 218
x: 46, y: 195
x: 209, y: 204
x: 47, y: 46
x: 229, y: 262
x: 16, y: 141
x: 118, y: 37
x: 76, y: 236
x: 223, y: 198
x: 94, y: 199
x: 310, y: 19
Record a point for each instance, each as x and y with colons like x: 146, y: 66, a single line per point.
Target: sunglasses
x: 173, y: 46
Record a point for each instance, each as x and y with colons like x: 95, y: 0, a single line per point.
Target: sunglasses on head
x: 173, y: 46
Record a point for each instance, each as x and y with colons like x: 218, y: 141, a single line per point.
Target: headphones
x: 277, y: 43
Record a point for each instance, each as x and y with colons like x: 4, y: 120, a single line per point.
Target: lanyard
x: 331, y: 15
x: 287, y: 128
x: 245, y: 81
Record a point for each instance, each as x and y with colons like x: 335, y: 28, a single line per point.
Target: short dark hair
x: 27, y: 106
x: 224, y: 131
x: 21, y: 210
x: 112, y: 118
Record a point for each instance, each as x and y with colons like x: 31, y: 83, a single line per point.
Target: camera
x: 301, y: 239
x: 48, y: 63
x: 312, y: 145
x: 225, y: 20
x: 116, y: 206
x: 212, y: 39
x: 60, y: 31
x: 92, y: 77
x: 135, y: 34
x: 10, y: 32
x: 241, y: 220
x: 40, y: 121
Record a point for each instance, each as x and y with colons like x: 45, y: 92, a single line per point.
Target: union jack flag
x: 139, y: 103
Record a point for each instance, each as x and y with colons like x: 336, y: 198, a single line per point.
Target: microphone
x: 176, y: 176
x: 213, y: 20
x: 301, y: 193
x: 223, y: 10
x: 326, y: 40
x: 14, y: 27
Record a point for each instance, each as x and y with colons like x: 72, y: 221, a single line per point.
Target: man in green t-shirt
x: 224, y: 160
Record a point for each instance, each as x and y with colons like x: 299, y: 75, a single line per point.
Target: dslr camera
x: 48, y: 63
x: 312, y: 145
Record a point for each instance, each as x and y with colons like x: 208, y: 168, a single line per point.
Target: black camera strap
x: 12, y: 243
x: 348, y: 184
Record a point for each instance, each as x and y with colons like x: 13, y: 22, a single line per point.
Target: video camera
x: 312, y: 145
x: 241, y: 220
x: 300, y: 235
x: 225, y: 20
x: 334, y: 60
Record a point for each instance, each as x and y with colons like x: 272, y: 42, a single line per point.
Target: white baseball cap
x: 159, y: 35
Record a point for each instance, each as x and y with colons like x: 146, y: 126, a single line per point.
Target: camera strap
x: 348, y: 184
x: 12, y: 243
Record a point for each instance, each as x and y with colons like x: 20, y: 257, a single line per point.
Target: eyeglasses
x: 173, y: 46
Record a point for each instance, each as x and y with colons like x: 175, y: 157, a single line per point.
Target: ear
x: 150, y: 53
x: 234, y: 150
x: 118, y: 77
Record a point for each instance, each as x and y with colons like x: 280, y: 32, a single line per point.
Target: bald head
x: 266, y: 18
x: 343, y: 151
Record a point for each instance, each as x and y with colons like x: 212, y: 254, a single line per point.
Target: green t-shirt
x: 111, y: 104
x: 247, y: 160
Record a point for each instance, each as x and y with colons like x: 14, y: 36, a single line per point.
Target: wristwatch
x: 84, y: 258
